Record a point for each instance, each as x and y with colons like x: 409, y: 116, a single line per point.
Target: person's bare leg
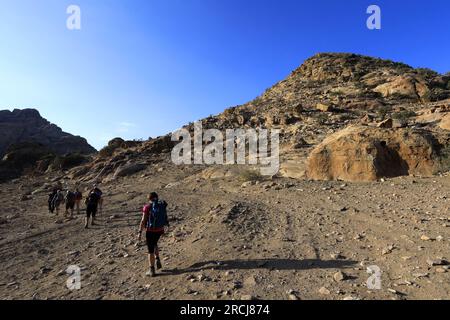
x: 158, y: 260
x: 86, y: 222
x: 151, y: 260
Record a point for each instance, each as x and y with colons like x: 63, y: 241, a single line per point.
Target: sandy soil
x: 278, y: 239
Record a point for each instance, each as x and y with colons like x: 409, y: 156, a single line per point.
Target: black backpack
x: 158, y: 215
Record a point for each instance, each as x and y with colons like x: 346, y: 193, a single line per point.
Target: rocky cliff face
x: 27, y: 125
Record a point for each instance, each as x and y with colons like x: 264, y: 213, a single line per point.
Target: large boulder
x: 129, y: 169
x: 445, y: 122
x: 360, y: 153
x: 405, y: 86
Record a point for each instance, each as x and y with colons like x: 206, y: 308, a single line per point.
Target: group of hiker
x: 72, y: 200
x: 154, y: 220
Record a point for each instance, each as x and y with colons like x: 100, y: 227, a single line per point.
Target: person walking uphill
x: 154, y: 220
x: 91, y: 207
x: 51, y: 196
x: 78, y: 198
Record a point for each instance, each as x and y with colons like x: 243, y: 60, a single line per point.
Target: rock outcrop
x: 27, y: 125
x: 360, y: 153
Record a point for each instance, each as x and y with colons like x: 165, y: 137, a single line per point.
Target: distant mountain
x: 28, y: 126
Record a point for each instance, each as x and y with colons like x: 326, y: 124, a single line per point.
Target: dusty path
x: 227, y: 242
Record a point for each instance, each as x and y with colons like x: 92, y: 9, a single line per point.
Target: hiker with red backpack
x: 154, y: 221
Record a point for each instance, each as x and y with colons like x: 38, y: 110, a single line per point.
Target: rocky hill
x: 30, y: 144
x: 27, y: 125
x: 326, y: 94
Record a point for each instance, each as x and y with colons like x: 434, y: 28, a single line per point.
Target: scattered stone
x: 351, y: 298
x: 386, y: 124
x: 388, y: 250
x: 337, y: 256
x: 395, y: 292
x: 324, y: 291
x: 43, y: 251
x: 248, y: 184
x: 250, y: 281
x: 421, y: 275
x: 437, y: 262
x: 324, y: 107
x: 339, y: 276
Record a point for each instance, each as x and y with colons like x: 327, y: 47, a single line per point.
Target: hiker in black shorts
x: 78, y: 198
x: 51, y: 196
x: 154, y: 220
x: 91, y: 208
x: 70, y: 202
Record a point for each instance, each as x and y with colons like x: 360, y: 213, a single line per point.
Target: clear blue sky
x: 144, y: 68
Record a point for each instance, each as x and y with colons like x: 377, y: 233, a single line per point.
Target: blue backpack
x: 158, y: 215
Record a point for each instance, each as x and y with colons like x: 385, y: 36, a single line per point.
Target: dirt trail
x: 274, y: 240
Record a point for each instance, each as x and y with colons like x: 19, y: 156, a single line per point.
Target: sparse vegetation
x: 250, y: 175
x: 337, y: 93
x: 69, y: 161
x: 106, y: 152
x: 427, y: 97
x: 399, y: 97
x: 445, y: 158
x: 321, y: 118
x: 403, y: 116
x: 383, y: 112
x: 114, y: 144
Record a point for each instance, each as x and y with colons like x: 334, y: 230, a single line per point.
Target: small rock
x: 293, y: 297
x: 324, y: 291
x: 350, y: 298
x: 388, y: 250
x: 421, y: 275
x: 339, y: 276
x: 437, y: 262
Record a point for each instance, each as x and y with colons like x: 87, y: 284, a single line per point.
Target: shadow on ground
x: 271, y: 264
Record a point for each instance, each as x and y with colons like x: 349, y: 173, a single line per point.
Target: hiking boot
x: 151, y: 272
x: 158, y: 263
